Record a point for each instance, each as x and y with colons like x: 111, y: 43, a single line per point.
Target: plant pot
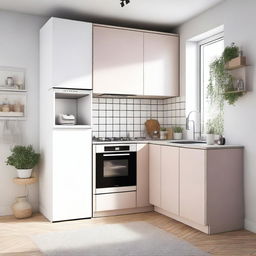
x: 24, y: 173
x: 22, y: 208
x: 177, y: 135
x: 162, y: 135
x: 210, y: 139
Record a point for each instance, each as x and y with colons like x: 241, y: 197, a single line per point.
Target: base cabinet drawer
x: 117, y: 201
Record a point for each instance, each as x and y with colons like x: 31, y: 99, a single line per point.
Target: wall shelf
x: 236, y: 67
x: 231, y: 92
x: 12, y: 90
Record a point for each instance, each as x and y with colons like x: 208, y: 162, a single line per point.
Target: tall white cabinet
x: 65, y: 181
x: 68, y: 53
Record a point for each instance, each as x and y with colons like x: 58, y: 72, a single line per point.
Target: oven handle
x: 116, y: 154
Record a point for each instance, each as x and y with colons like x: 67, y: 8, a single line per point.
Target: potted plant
x: 23, y: 159
x: 162, y: 133
x: 221, y: 82
x: 177, y: 133
x: 210, y: 133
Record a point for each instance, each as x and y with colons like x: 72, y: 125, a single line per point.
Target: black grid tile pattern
x: 120, y: 117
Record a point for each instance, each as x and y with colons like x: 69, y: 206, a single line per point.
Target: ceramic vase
x: 162, y: 135
x: 210, y: 139
x: 177, y: 135
x: 24, y: 173
x: 22, y: 208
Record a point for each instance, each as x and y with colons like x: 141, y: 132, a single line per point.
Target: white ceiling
x: 160, y: 14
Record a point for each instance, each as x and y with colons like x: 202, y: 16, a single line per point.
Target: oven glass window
x: 116, y: 168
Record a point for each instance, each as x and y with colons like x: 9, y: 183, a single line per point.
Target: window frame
x: 207, y: 41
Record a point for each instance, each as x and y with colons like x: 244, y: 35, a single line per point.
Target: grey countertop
x: 169, y: 143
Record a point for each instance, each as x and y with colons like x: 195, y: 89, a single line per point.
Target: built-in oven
x: 115, y: 168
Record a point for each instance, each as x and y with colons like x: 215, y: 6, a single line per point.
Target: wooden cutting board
x: 151, y: 126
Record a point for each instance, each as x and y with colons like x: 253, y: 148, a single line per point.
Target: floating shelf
x: 25, y: 181
x: 11, y: 90
x: 229, y: 92
x: 11, y: 114
x: 236, y: 67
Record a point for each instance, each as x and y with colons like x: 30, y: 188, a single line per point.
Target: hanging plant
x: 220, y: 85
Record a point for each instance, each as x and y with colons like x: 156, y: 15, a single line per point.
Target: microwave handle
x: 116, y: 154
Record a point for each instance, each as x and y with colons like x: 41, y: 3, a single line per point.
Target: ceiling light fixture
x: 124, y: 2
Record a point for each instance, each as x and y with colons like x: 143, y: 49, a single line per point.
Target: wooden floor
x: 15, y: 234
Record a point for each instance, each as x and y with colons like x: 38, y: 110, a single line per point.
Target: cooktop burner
x: 102, y: 139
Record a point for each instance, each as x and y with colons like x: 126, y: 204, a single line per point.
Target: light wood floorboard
x: 15, y: 234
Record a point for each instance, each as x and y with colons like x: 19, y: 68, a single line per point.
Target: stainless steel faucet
x: 193, y: 122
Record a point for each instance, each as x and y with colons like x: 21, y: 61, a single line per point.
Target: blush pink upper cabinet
x: 193, y: 185
x: 170, y: 179
x: 155, y: 175
x: 161, y: 65
x: 142, y: 175
x: 117, y: 61
x: 66, y: 54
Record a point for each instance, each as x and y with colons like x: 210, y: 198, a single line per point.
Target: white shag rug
x: 129, y: 239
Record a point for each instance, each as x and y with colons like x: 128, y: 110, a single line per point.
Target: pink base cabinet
x: 201, y: 188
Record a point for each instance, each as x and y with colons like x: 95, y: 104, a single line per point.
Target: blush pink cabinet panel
x: 142, y: 175
x: 225, y: 204
x: 170, y: 179
x: 155, y: 175
x: 193, y: 185
x: 115, y: 201
x: 117, y: 61
x: 161, y: 65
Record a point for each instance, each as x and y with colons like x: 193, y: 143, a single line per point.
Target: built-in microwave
x: 115, y: 168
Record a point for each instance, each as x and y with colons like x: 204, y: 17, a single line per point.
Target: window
x: 209, y: 50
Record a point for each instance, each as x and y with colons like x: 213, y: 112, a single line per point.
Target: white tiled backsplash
x: 122, y: 116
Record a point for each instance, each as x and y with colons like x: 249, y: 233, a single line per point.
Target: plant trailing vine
x: 220, y: 85
x: 221, y: 82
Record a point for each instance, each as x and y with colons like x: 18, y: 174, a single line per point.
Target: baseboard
x: 122, y: 212
x: 5, y: 210
x: 250, y: 225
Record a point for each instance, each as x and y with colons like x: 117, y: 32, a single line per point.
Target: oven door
x: 115, y: 169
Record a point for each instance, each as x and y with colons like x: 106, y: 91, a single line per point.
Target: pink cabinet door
x: 142, y: 175
x: 170, y: 179
x: 161, y: 65
x: 117, y: 61
x: 154, y: 175
x: 193, y: 185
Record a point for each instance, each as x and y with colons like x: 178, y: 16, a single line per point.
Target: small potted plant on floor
x: 177, y: 133
x: 24, y: 159
x: 210, y: 133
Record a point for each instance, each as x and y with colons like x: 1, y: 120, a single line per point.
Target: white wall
x: 239, y: 19
x: 19, y: 47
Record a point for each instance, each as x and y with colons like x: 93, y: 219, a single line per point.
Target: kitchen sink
x: 188, y: 142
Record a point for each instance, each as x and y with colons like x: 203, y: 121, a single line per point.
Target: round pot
x: 24, y: 173
x: 177, y: 135
x: 210, y: 139
x: 162, y: 135
x: 22, y: 208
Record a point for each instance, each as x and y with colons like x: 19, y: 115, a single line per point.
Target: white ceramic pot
x: 24, y: 173
x: 177, y: 135
x: 162, y: 135
x: 210, y: 139
x: 22, y: 208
